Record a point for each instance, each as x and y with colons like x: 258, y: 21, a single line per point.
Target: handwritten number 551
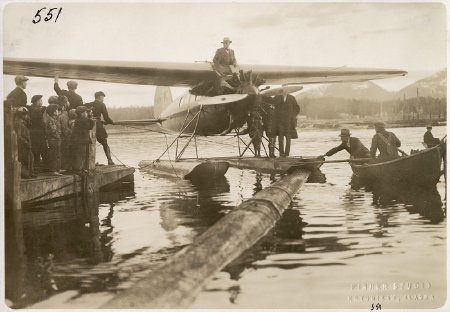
x: 48, y: 17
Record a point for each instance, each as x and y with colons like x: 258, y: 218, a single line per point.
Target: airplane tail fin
x: 163, y: 98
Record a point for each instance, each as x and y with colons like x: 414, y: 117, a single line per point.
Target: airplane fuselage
x: 200, y: 114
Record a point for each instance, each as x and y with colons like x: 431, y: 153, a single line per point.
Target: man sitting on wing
x: 351, y: 144
x: 225, y: 55
x: 224, y: 64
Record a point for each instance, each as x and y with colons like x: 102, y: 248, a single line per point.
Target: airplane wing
x: 183, y: 74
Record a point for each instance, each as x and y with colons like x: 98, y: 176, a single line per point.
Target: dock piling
x: 15, y: 266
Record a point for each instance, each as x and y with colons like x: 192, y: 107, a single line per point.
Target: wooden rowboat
x: 421, y: 168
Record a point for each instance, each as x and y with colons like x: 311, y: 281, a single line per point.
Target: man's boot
x: 281, y: 145
x: 272, y: 147
x: 108, y: 154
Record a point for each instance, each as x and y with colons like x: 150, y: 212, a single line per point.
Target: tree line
x: 131, y: 112
x: 399, y: 109
x: 334, y: 108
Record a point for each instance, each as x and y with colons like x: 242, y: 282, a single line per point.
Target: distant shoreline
x: 309, y: 124
x: 304, y: 125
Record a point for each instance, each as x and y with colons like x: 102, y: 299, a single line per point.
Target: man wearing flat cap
x: 75, y: 99
x: 18, y: 97
x: 98, y: 110
x: 351, y: 144
x: 384, y: 141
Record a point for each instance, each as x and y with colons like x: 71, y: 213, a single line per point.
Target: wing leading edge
x: 183, y: 74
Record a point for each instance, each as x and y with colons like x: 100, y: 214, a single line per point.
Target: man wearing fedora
x: 75, y: 99
x: 351, y: 144
x: 18, y: 97
x: 225, y: 55
x: 224, y: 64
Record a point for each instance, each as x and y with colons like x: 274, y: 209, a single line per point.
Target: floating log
x: 176, y: 283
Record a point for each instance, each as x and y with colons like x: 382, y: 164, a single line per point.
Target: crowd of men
x: 55, y: 138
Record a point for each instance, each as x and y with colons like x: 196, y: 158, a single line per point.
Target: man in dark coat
x: 429, y: 139
x: 98, y: 108
x: 225, y: 55
x: 270, y: 123
x: 18, y: 97
x: 24, y: 147
x: 53, y: 135
x: 75, y: 100
x: 223, y: 59
x: 286, y: 111
x: 37, y: 130
x: 351, y: 144
x: 384, y: 141
x: 80, y: 139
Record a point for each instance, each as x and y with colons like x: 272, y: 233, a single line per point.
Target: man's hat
x: 53, y: 100
x: 36, y: 98
x: 99, y: 93
x: 380, y: 124
x: 72, y: 84
x: 226, y: 39
x: 20, y: 79
x: 81, y: 109
x: 429, y: 126
x: 51, y: 109
x: 345, y: 133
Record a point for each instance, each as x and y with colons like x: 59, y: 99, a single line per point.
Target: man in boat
x: 429, y: 139
x: 351, y: 144
x: 384, y: 141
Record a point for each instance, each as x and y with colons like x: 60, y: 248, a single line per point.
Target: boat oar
x: 403, y: 152
x: 334, y: 161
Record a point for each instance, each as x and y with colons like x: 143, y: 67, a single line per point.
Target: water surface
x: 336, y: 242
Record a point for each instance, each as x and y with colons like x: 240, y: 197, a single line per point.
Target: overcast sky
x: 408, y: 36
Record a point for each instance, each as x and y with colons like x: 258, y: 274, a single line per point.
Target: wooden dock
x: 46, y: 187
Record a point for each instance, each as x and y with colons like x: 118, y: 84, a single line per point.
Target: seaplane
x: 217, y: 102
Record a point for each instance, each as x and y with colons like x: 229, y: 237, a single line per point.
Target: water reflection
x: 425, y: 201
x: 198, y: 211
x: 64, y: 244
